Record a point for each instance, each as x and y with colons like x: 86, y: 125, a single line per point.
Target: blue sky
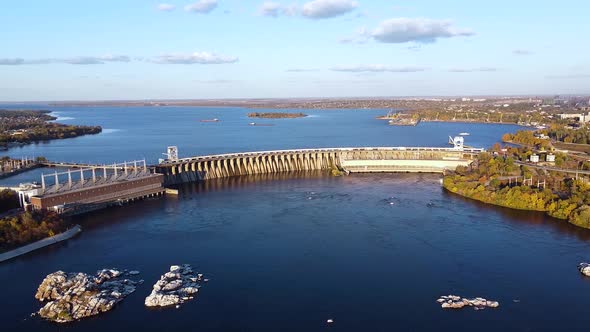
x: 141, y: 49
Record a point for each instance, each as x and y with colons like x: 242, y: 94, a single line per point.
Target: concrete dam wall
x: 378, y: 159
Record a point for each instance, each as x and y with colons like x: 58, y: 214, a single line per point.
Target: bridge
x: 355, y: 159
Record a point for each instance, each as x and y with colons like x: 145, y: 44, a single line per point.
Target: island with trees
x: 26, y: 126
x: 276, y: 115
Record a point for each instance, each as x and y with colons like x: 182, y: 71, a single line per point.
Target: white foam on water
x: 109, y: 130
x: 61, y: 118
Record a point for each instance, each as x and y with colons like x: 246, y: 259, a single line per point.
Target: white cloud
x: 270, y: 8
x: 12, y: 61
x: 361, y: 36
x: 522, y: 52
x: 377, y: 69
x: 420, y: 30
x: 318, y: 9
x: 291, y: 10
x: 78, y: 60
x: 202, y: 6
x: 301, y: 70
x: 166, y: 7
x: 194, y: 58
x: 276, y: 9
x: 471, y: 70
x: 568, y: 76
x: 221, y: 81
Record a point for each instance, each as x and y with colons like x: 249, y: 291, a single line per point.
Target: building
x: 550, y: 158
x: 534, y: 158
x: 580, y: 117
x: 109, y: 192
x: 96, y: 187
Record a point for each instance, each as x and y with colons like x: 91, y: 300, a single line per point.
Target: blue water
x: 145, y: 132
x: 286, y: 252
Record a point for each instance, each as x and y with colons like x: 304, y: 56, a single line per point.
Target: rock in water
x: 584, y: 269
x: 457, y: 302
x: 73, y: 296
x: 174, y: 287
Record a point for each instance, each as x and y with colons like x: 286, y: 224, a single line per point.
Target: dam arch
x: 353, y: 160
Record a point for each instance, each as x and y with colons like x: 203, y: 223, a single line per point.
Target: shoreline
x: 70, y: 233
x: 383, y: 118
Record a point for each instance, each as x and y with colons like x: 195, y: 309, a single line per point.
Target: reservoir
x: 286, y: 252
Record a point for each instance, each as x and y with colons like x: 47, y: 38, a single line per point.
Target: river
x: 286, y: 252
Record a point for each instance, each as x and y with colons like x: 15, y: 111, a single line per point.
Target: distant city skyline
x: 207, y: 49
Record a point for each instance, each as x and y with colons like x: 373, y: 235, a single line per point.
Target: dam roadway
x: 353, y: 160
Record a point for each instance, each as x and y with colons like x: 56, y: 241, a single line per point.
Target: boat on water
x: 464, y: 134
x: 210, y: 120
x: 260, y: 124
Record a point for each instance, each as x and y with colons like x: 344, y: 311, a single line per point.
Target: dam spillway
x: 357, y: 159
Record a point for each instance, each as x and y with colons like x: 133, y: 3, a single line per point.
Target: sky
x: 205, y: 49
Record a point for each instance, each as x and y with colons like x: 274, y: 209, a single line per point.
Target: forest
x: 28, y: 227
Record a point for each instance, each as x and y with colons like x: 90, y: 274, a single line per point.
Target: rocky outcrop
x: 73, y: 296
x: 457, y: 302
x: 175, y: 287
x: 584, y: 268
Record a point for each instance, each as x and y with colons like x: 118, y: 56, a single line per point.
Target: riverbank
x: 70, y: 233
x: 499, y: 180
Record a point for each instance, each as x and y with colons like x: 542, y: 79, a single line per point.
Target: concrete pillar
x: 200, y: 170
x: 43, y: 182
x: 225, y: 167
x: 232, y: 165
x: 206, y: 169
x: 69, y: 179
x: 93, y: 175
x: 56, y: 182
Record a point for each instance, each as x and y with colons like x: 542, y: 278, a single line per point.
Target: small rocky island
x: 457, y: 302
x: 276, y: 115
x: 175, y: 287
x: 584, y: 269
x: 73, y: 296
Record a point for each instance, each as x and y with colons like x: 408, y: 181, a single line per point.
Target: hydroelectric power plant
x: 115, y: 184
x: 350, y: 160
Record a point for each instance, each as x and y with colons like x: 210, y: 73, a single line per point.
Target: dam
x: 99, y: 186
x: 351, y: 160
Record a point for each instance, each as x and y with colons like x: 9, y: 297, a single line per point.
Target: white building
x: 551, y: 158
x: 26, y: 191
x: 534, y: 158
x: 578, y: 116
